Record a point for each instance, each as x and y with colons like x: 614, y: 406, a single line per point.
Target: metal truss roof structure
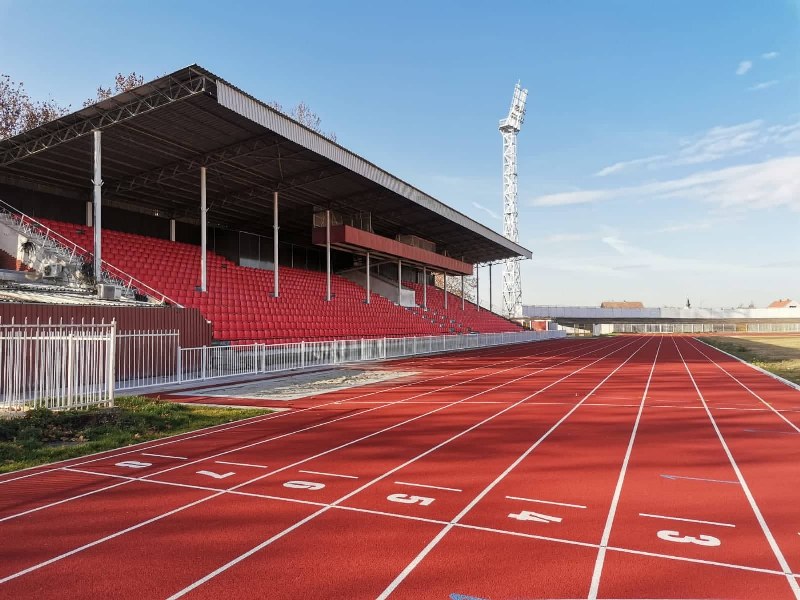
x: 158, y: 135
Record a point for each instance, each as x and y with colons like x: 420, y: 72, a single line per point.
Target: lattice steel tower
x: 509, y: 128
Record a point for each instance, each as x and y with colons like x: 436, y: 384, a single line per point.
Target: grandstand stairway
x: 240, y: 305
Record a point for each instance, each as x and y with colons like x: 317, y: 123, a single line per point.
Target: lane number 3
x: 701, y: 540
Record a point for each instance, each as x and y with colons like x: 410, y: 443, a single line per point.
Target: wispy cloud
x: 754, y: 186
x: 559, y: 238
x: 713, y: 144
x: 488, y: 211
x: 763, y: 85
x: 744, y: 67
x: 770, y: 55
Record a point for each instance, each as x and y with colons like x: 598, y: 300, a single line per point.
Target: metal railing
x: 71, y: 251
x: 56, y: 366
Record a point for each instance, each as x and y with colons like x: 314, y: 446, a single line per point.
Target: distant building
x: 624, y: 304
x: 784, y: 304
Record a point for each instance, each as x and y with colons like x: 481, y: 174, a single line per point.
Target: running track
x: 632, y: 467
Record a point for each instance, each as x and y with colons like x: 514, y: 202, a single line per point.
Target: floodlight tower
x: 509, y: 128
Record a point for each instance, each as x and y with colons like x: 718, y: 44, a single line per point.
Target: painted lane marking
x: 164, y: 456
x: 698, y: 479
x: 314, y: 515
x: 773, y: 544
x: 546, y: 502
x: 772, y: 431
x: 238, y: 464
x: 214, y: 475
x: 435, y: 541
x: 433, y: 487
x: 481, y: 528
x: 593, y: 348
x: 181, y: 437
x: 669, y: 535
x: 329, y: 474
x: 528, y: 515
x: 686, y: 520
x: 612, y: 511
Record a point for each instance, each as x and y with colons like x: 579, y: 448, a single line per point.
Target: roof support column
x: 399, y: 280
x: 424, y: 287
x: 478, y: 288
x: 89, y: 211
x: 369, y: 293
x: 490, y: 287
x: 172, y: 230
x: 444, y: 281
x: 203, y: 232
x: 328, y: 254
x: 276, y: 292
x: 97, y: 201
x: 462, y: 292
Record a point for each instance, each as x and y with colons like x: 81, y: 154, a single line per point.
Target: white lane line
x: 433, y: 487
x: 535, y: 356
x: 437, y: 522
x: 699, y: 479
x: 312, y: 516
x: 546, y: 502
x: 793, y: 584
x: 550, y: 352
x: 434, y: 542
x: 253, y: 480
x: 601, y: 554
x: 164, y: 456
x: 771, y: 431
x: 239, y: 464
x: 686, y: 520
x: 329, y: 474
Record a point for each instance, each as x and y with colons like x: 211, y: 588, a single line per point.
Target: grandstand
x: 215, y: 202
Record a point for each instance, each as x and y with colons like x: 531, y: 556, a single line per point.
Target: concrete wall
x: 382, y: 287
x: 689, y: 314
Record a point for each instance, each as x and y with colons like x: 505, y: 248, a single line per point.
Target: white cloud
x: 620, y: 166
x: 770, y: 55
x: 744, y: 67
x: 762, y: 86
x: 488, y: 211
x: 768, y: 184
x: 559, y: 238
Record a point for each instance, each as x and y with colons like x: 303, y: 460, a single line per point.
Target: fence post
x: 383, y: 352
x: 179, y: 364
x: 303, y: 354
x: 112, y: 361
x: 203, y: 368
x: 262, y: 355
x: 70, y: 368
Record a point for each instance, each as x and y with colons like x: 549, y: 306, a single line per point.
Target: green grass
x: 42, y: 436
x: 778, y: 355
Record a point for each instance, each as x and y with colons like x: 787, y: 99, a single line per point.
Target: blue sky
x: 660, y: 155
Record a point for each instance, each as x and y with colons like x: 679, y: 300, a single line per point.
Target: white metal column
x: 444, y: 279
x: 369, y: 292
x: 275, y: 228
x: 399, y: 279
x: 172, y: 230
x: 462, y: 292
x: 477, y: 288
x: 203, y: 232
x: 425, y: 288
x: 328, y: 254
x: 490, y: 287
x: 97, y: 201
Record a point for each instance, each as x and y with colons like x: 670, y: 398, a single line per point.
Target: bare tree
x: 303, y: 114
x: 454, y: 286
x: 122, y: 83
x: 19, y: 113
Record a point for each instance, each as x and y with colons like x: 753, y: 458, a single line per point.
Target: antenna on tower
x: 509, y: 128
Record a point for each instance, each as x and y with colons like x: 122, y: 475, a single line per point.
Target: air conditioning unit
x: 108, y: 292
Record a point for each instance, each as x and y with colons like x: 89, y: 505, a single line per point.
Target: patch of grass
x: 778, y: 355
x: 42, y: 436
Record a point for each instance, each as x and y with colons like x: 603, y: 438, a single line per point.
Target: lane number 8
x: 700, y: 540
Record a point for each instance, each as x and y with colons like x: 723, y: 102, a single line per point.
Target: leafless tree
x: 454, y: 286
x: 19, y: 113
x: 122, y: 83
x: 303, y: 114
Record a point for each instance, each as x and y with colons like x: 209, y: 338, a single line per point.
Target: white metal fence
x: 66, y: 366
x: 210, y: 362
x: 56, y: 366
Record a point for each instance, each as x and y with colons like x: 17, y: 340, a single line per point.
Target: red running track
x: 631, y: 467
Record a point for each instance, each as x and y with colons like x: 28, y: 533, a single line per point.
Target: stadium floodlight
x: 509, y: 128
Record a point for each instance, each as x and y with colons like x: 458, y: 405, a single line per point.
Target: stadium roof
x: 156, y: 137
